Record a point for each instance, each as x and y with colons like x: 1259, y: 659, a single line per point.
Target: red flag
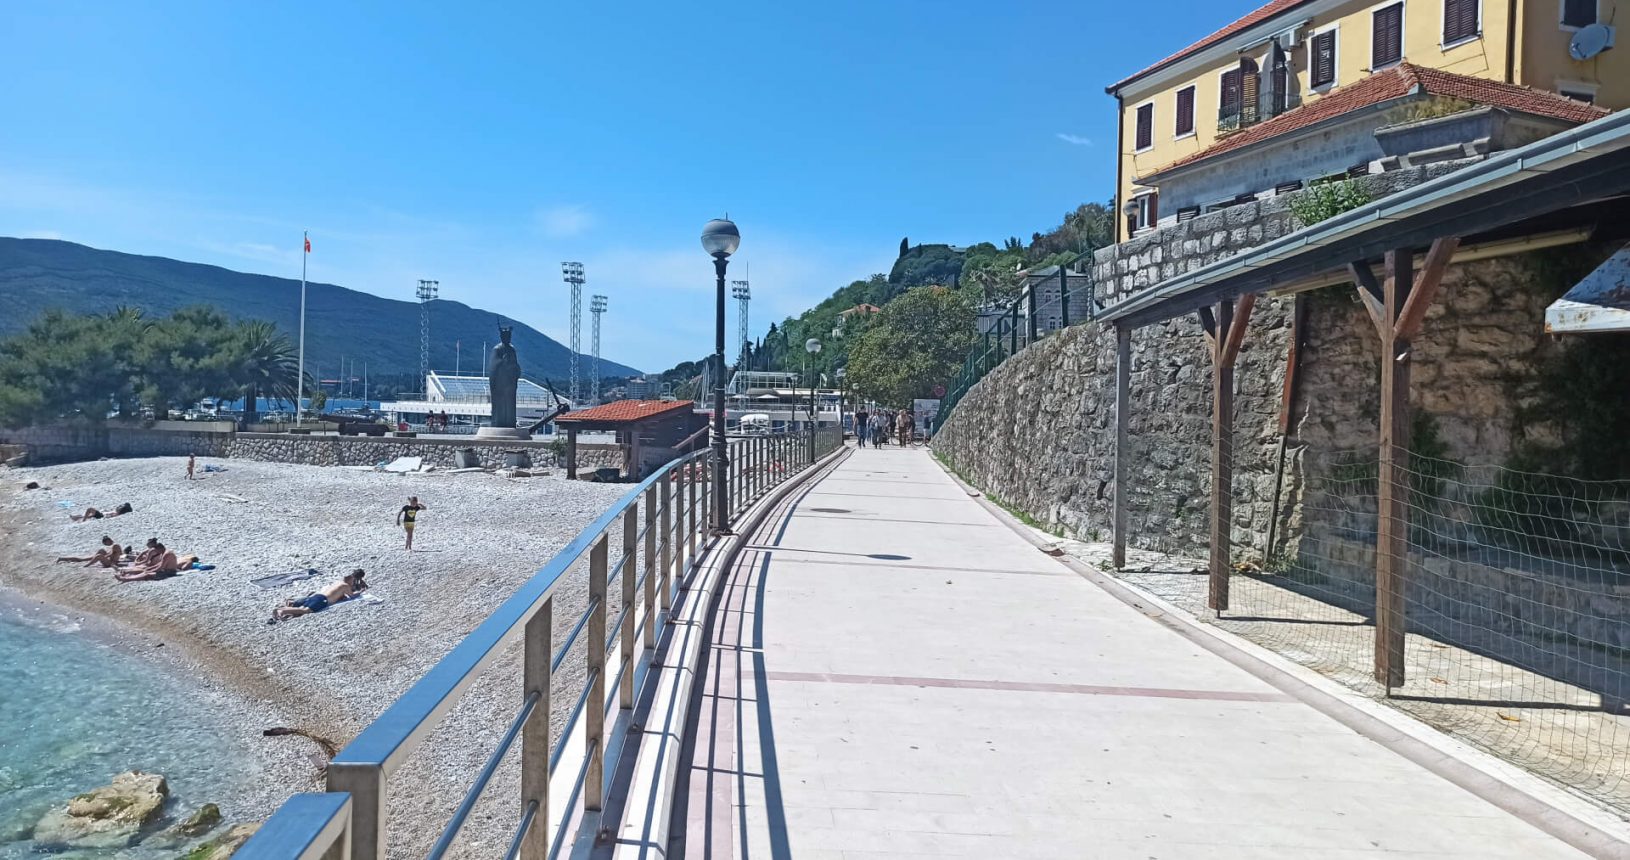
x: 308, y: 244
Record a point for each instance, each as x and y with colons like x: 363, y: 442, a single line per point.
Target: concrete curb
x: 1523, y: 795
x: 645, y: 824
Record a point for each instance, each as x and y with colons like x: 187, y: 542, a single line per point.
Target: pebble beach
x: 331, y: 672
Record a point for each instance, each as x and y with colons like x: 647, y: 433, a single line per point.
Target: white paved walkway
x: 895, y: 673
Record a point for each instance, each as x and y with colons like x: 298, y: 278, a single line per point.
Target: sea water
x: 75, y: 711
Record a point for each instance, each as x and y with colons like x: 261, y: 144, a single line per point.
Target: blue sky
x: 481, y: 144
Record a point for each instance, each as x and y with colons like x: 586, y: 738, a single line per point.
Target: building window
x: 1578, y: 13
x: 1146, y: 212
x: 1579, y: 92
x: 1460, y: 20
x: 1322, y: 59
x: 1146, y: 127
x: 1387, y: 45
x: 1185, y: 112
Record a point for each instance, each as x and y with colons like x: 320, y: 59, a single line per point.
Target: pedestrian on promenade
x: 863, y: 426
x: 408, y: 516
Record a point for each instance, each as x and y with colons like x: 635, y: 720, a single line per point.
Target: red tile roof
x: 1274, y: 7
x: 1394, y: 83
x: 627, y: 411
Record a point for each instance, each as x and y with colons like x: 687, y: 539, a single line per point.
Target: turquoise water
x: 74, y: 711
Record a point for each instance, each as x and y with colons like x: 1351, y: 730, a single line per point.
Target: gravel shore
x: 332, y: 672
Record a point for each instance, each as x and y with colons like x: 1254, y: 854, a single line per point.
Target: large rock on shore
x: 112, y: 816
x: 225, y: 845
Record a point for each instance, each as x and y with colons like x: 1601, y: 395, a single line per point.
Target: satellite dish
x: 1590, y: 41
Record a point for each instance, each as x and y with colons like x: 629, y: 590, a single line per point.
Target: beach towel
x: 215, y: 468
x: 365, y: 597
x: 278, y: 580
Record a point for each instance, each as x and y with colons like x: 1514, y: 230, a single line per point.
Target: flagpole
x: 299, y: 400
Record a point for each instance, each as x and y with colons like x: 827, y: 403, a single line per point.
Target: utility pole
x: 572, y: 274
x: 427, y: 293
x: 597, y: 306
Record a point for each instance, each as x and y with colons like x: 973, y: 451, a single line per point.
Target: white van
x: 755, y: 424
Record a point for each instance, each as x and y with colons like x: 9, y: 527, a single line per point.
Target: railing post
x: 665, y: 571
x: 594, y: 732
x: 366, y: 785
x: 709, y: 516
x: 1013, y: 331
x: 537, y: 645
x: 1030, y: 314
x: 1063, y: 298
x: 651, y: 568
x: 690, y: 532
x: 631, y: 568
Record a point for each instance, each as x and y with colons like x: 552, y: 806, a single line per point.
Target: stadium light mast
x: 427, y: 292
x: 572, y: 273
x: 597, y: 306
x: 742, y: 293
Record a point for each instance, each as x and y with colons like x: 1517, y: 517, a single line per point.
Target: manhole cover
x: 832, y: 510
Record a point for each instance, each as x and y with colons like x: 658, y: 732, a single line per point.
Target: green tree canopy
x: 916, y: 343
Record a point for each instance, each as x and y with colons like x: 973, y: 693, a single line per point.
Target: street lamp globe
x: 812, y: 346
x: 720, y: 238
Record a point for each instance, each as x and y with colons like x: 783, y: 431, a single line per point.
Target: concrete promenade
x: 896, y: 673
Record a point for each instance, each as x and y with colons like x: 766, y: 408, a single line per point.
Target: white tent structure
x: 1599, y: 303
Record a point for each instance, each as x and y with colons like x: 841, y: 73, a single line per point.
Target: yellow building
x: 1296, y: 90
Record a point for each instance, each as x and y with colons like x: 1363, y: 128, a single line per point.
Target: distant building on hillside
x: 639, y: 388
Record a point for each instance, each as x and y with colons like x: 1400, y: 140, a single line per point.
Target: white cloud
x: 1074, y: 139
x: 564, y: 222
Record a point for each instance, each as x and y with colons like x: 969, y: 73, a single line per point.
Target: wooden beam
x: 1426, y: 286
x: 1369, y: 292
x: 1123, y: 411
x: 1222, y: 460
x: 1208, y: 322
x: 1236, y: 328
x: 1392, y: 488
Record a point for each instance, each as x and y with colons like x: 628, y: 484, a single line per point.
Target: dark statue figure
x: 502, y: 378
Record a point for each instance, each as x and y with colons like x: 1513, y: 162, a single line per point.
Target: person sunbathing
x: 165, y: 567
x: 110, y: 555
x: 94, y: 514
x: 346, y: 589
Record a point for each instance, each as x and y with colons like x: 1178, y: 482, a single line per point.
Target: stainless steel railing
x: 665, y: 520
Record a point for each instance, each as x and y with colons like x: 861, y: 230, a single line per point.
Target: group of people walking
x: 876, y: 427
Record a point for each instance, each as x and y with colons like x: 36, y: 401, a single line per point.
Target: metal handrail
x: 673, y: 540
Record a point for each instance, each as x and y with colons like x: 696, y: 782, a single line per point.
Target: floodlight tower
x: 742, y: 294
x: 427, y: 293
x: 572, y: 273
x: 597, y: 306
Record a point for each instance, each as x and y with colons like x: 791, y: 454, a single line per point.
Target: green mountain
x: 37, y: 274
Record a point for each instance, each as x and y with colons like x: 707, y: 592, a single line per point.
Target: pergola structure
x: 1574, y: 182
x: 647, y: 430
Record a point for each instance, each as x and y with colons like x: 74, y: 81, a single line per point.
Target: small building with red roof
x: 649, y: 432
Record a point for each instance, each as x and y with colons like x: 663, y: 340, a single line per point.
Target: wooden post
x: 535, y: 659
x: 1227, y: 338
x: 1405, y: 298
x: 1123, y: 412
x: 571, y: 453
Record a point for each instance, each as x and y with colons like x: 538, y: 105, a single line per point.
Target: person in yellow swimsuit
x: 406, y: 517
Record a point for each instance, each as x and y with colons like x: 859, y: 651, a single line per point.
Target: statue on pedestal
x: 503, y: 376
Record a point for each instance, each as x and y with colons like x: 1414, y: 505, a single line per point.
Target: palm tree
x: 266, y: 364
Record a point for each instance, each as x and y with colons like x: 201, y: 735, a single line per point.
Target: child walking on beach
x: 406, y: 517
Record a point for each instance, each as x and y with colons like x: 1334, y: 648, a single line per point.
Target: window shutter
x: 1324, y: 58
x: 1230, y: 91
x: 1185, y: 110
x: 1459, y: 20
x: 1146, y: 126
x: 1154, y: 209
x: 1388, y: 45
x: 1578, y: 13
x: 1248, y: 89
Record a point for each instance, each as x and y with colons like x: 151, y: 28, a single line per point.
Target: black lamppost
x: 813, y: 347
x: 720, y: 238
